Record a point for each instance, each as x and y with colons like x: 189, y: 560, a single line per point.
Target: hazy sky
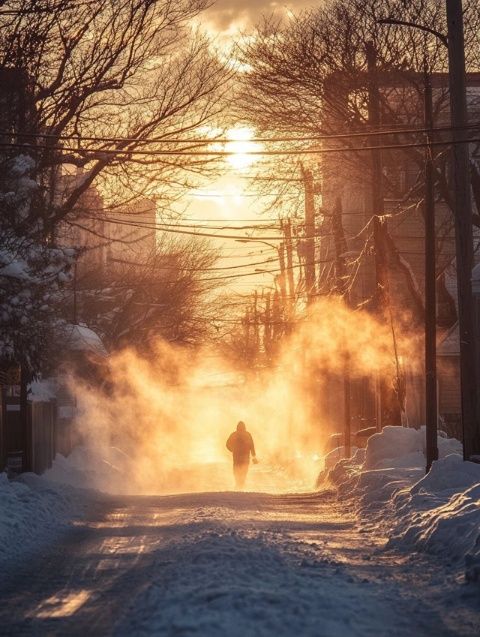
x: 229, y: 199
x: 230, y: 15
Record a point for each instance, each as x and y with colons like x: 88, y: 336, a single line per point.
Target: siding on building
x: 349, y: 182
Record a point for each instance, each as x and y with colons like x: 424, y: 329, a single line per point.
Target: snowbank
x: 106, y: 470
x: 33, y: 511
x: 42, y: 390
x: 437, y: 513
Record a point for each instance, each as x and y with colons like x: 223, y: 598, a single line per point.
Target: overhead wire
x: 232, y: 140
x: 144, y: 212
x: 239, y: 238
x: 168, y: 227
x: 180, y: 269
x: 97, y: 153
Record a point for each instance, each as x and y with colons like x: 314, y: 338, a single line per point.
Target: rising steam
x: 171, y: 414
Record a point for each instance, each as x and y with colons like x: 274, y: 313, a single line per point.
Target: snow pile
x: 33, y: 511
x: 42, y: 390
x: 438, y: 513
x: 104, y: 470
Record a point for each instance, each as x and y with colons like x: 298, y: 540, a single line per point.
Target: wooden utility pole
x: 267, y: 330
x: 287, y: 228
x: 377, y: 203
x: 310, y: 279
x: 256, y: 326
x: 24, y: 420
x: 340, y: 246
x: 282, y: 281
x: 75, y: 312
x: 463, y: 229
x: 430, y: 289
x: 377, y: 197
x: 277, y: 317
x: 246, y: 323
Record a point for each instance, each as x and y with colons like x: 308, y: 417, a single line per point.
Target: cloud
x: 232, y: 15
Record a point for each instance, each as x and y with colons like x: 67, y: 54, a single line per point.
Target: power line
x: 180, y: 268
x: 159, y: 225
x: 228, y: 140
x: 232, y: 195
x: 103, y: 152
x: 247, y: 255
x: 243, y: 239
x: 221, y: 278
x: 125, y: 212
x: 189, y: 232
x: 218, y: 220
x: 122, y: 210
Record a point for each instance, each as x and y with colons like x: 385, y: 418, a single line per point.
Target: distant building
x: 84, y: 229
x: 107, y: 237
x: 346, y: 189
x: 17, y: 108
x: 131, y: 231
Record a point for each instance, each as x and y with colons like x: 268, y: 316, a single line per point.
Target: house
x: 347, y: 203
x: 132, y: 232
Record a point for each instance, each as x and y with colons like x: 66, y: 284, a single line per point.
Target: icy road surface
x: 231, y: 565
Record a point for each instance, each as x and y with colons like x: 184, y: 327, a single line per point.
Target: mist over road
x: 231, y: 564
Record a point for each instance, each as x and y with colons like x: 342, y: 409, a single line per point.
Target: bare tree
x: 309, y: 76
x: 167, y: 296
x: 111, y: 84
x: 118, y: 92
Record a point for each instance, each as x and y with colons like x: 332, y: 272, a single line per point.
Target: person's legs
x: 240, y: 473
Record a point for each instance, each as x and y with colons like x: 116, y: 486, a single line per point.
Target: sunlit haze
x: 239, y: 318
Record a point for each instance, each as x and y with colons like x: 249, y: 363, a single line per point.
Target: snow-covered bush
x: 32, y: 270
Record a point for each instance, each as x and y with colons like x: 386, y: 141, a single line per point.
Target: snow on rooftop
x: 82, y: 338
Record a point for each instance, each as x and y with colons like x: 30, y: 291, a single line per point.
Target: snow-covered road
x: 231, y: 564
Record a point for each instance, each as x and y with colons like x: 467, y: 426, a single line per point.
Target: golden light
x: 61, y: 605
x: 241, y: 147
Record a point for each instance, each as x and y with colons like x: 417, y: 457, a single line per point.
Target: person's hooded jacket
x: 240, y: 443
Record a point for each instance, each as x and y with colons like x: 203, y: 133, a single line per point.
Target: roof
x: 82, y: 338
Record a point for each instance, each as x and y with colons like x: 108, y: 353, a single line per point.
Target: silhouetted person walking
x: 240, y: 443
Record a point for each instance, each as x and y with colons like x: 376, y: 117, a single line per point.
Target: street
x: 230, y: 564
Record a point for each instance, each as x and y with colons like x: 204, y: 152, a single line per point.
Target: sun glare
x: 241, y: 147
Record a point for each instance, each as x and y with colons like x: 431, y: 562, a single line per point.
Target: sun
x: 241, y: 147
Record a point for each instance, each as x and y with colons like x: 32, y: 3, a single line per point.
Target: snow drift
x: 33, y: 511
x: 438, y: 513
